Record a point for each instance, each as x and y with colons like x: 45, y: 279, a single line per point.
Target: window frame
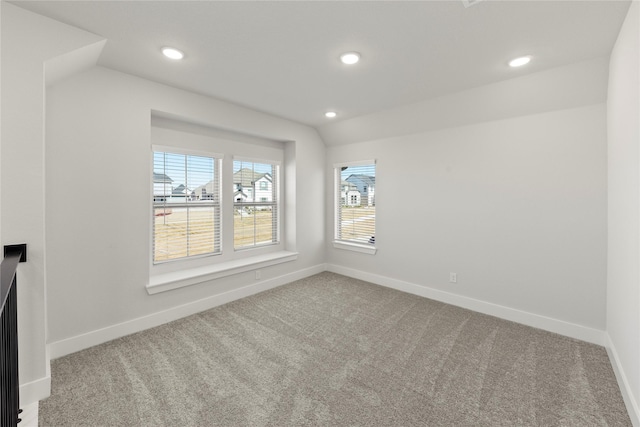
x: 218, y: 205
x: 338, y: 242
x: 275, y: 204
x: 176, y: 135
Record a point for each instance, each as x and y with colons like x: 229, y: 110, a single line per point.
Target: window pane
x: 202, y: 233
x: 244, y: 227
x: 255, y: 195
x: 200, y: 175
x: 186, y: 210
x: 253, y: 226
x: 358, y: 223
x: 183, y: 232
x: 356, y: 203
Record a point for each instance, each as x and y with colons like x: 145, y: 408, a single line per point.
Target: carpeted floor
x: 330, y: 350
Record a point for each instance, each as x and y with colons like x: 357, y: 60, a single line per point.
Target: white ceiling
x: 282, y: 57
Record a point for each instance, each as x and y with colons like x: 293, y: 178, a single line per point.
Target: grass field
x: 357, y: 223
x: 244, y: 226
x: 179, y: 231
x: 194, y: 230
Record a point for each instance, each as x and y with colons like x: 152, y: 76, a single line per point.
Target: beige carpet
x: 334, y: 351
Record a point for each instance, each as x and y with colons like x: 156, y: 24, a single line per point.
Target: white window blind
x: 186, y: 206
x: 355, y: 203
x: 255, y: 202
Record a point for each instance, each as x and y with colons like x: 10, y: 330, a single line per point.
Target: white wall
x: 28, y: 41
x: 623, y: 281
x: 98, y: 137
x: 515, y: 205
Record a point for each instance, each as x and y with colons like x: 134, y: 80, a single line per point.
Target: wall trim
x: 80, y: 342
x: 35, y: 391
x: 629, y: 400
x: 561, y: 327
x: 192, y: 276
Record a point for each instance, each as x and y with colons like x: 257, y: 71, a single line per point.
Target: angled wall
x: 570, y: 86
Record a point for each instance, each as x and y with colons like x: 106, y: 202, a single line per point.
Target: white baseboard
x: 35, y: 391
x: 29, y: 415
x: 629, y: 400
x: 561, y: 327
x: 80, y: 342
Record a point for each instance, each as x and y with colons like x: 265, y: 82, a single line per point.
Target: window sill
x: 180, y: 279
x: 355, y: 247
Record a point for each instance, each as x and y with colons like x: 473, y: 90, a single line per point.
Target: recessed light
x: 350, y: 58
x: 330, y: 114
x: 172, y: 53
x: 519, y: 62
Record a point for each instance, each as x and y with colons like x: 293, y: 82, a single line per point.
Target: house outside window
x: 256, y: 204
x: 355, y: 203
x: 186, y: 206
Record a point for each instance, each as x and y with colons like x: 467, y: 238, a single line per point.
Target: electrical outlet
x: 453, y: 277
x: 258, y: 275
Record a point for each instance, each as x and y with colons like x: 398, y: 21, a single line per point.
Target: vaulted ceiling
x: 283, y: 57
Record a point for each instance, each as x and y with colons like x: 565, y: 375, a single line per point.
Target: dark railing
x: 9, y: 386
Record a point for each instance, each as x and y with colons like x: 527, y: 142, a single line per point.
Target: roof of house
x: 351, y: 185
x: 161, y: 178
x: 181, y: 189
x: 366, y: 179
x: 208, y: 187
x: 246, y: 177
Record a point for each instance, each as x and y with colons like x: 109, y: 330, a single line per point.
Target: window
x: 255, y: 216
x: 355, y: 203
x: 210, y: 218
x: 186, y: 206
